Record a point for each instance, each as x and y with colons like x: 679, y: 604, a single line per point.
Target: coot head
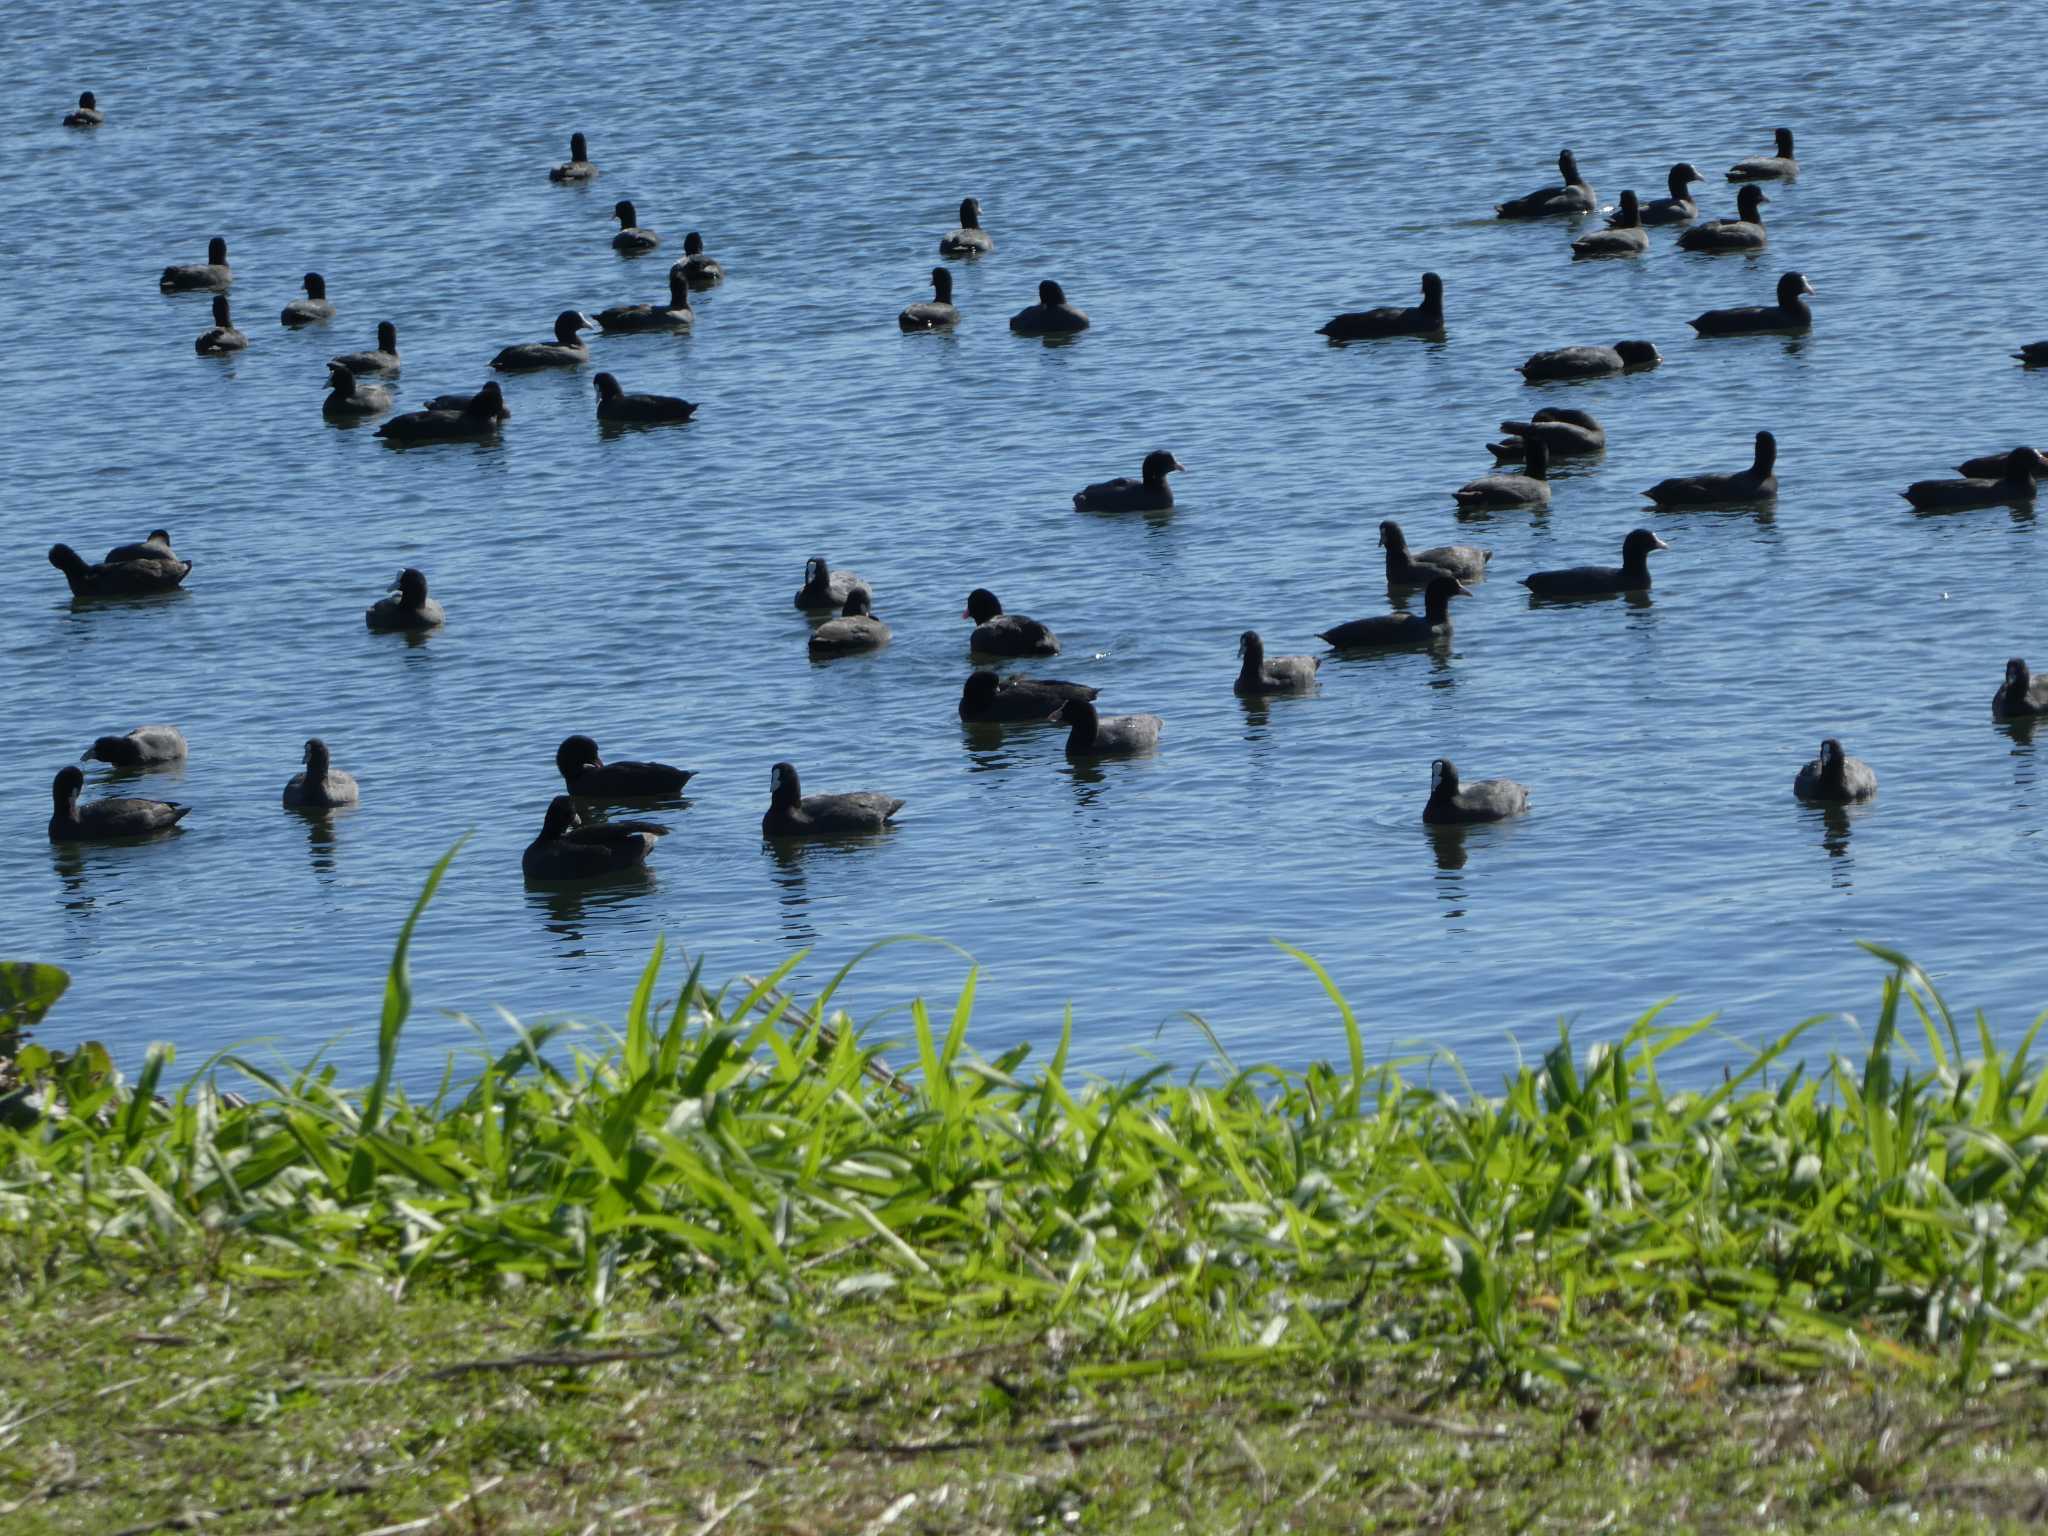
x: 1251, y: 647
x: 2025, y: 464
x: 316, y: 285
x: 970, y: 213
x: 1784, y: 138
x: 68, y: 783
x: 488, y: 401
x: 220, y: 312
x: 1637, y: 353
x: 979, y: 691
x: 856, y: 604
x: 575, y: 754
x: 217, y: 252
x: 1535, y: 458
x: 67, y: 560
x: 1635, y: 549
x: 1682, y: 174
x: 387, y: 336
x: 560, y: 819
x: 1158, y: 465
x: 1627, y: 214
x: 1749, y: 203
x: 1766, y: 452
x: 1051, y: 293
x: 108, y: 749
x: 1391, y: 536
x: 784, y: 787
x: 942, y: 285
x: 569, y: 322
x: 1791, y: 286
x: 2017, y: 676
x: 579, y: 148
x: 412, y: 586
x: 340, y: 380
x: 1443, y: 777
x: 87, y: 100
x: 982, y: 605
x: 1432, y: 291
x: 1568, y: 167
x: 607, y: 387
x: 693, y: 244
x: 623, y: 212
x: 1077, y: 712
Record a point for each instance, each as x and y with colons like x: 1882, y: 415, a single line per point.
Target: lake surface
x: 1210, y: 185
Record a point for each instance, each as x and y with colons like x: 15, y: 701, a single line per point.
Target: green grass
x: 1233, y: 1251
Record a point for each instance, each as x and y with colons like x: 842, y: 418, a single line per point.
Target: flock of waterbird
x: 840, y: 604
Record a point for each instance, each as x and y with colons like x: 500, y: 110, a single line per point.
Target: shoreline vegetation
x: 733, y: 1270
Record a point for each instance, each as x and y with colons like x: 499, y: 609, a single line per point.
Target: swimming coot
x: 1452, y: 803
x: 214, y: 275
x: 986, y: 697
x: 104, y: 820
x: 1623, y: 236
x: 1565, y: 432
x: 322, y: 786
x: 699, y: 269
x: 313, y: 308
x: 1259, y: 673
x: 615, y: 405
x: 348, y: 399
x: 1632, y: 575
x: 2017, y: 482
x: 631, y: 239
x: 1986, y: 466
x: 1759, y: 482
x: 1834, y: 776
x: 2019, y: 696
x: 856, y: 629
x: 383, y: 360
x: 445, y: 420
x: 1052, y: 315
x: 1790, y: 313
x: 792, y: 813
x: 939, y: 313
x: 1744, y: 232
x: 157, y: 546
x: 144, y: 747
x: 1395, y: 629
x: 2034, y: 354
x: 222, y: 337
x: 675, y: 315
x: 87, y: 114
x: 589, y: 776
x: 1527, y: 490
x: 997, y: 633
x: 409, y: 608
x: 970, y: 239
x: 1424, y: 319
x: 824, y: 587
x: 1098, y: 735
x: 1148, y: 493
x: 118, y: 578
x: 1464, y: 562
x: 1775, y: 167
x: 578, y: 166
x: 1678, y: 208
x: 1574, y: 197
x: 1588, y: 362
x: 565, y: 351
x: 569, y: 848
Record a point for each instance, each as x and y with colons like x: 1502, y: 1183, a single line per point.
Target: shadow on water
x: 321, y: 829
x: 1447, y: 847
x: 567, y: 908
x: 987, y: 746
x: 1836, y: 823
x: 792, y: 895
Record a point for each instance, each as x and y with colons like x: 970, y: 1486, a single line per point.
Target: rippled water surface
x: 1210, y: 185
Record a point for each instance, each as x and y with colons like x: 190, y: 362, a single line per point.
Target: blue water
x: 1210, y: 185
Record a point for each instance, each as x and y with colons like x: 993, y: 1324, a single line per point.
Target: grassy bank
x: 920, y: 1273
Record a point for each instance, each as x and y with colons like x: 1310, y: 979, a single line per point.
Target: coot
x: 119, y: 816
x: 346, y: 398
x: 1834, y: 775
x: 2018, y: 482
x: 1451, y: 803
x: 939, y: 313
x: 856, y: 629
x: 1588, y: 362
x: 631, y: 239
x: 1565, y: 432
x: 1527, y: 490
x: 1623, y: 236
x: 1678, y: 208
x: 1464, y: 562
x: 118, y: 578
x: 1744, y: 232
x: 1260, y: 673
x: 1774, y: 167
x: 1052, y: 315
x: 986, y: 697
x: 792, y: 813
x: 1759, y: 482
x: 214, y: 274
x: 222, y: 337
x: 1424, y: 319
x: 313, y: 308
x: 589, y: 776
x: 1632, y: 575
x: 569, y: 848
x: 383, y: 360
x: 615, y: 405
x: 565, y: 351
x: 409, y: 608
x: 144, y: 747
x: 321, y: 786
x: 1790, y: 313
x: 578, y: 166
x: 997, y: 633
x: 1574, y: 197
x: 824, y: 587
x: 1148, y: 493
x: 1394, y: 629
x: 2020, y: 695
x: 1099, y: 735
x: 87, y: 114
x: 970, y: 239
x: 675, y: 315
